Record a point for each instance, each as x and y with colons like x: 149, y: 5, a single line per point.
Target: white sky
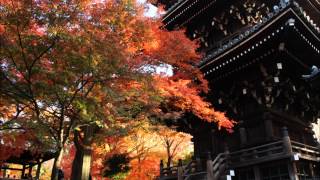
x: 151, y: 10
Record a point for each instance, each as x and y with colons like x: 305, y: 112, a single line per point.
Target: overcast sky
x: 151, y: 10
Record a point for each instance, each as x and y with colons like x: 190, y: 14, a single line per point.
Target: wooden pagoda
x: 262, y: 60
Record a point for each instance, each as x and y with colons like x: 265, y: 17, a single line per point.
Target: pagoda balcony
x: 224, y: 162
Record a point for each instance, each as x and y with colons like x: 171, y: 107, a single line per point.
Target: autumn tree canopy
x: 69, y: 64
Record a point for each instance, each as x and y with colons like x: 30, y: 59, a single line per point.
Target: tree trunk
x: 56, y: 164
x: 168, y: 147
x: 82, y: 162
x: 169, y: 161
x: 76, y: 165
x: 81, y: 165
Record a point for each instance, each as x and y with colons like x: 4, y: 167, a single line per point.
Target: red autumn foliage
x: 146, y: 169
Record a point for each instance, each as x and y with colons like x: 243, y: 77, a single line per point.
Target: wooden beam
x: 288, y: 119
x: 14, y: 169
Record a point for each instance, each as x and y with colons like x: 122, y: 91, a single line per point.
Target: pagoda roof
x: 184, y: 11
x: 290, y: 25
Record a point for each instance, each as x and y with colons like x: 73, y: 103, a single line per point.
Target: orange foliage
x: 183, y: 88
x: 185, y: 98
x: 144, y: 147
x: 145, y: 170
x: 101, y: 46
x: 14, y: 144
x: 66, y: 163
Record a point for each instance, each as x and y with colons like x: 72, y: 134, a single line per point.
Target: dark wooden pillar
x: 198, y: 163
x: 311, y: 169
x: 161, y: 168
x: 286, y: 141
x: 196, y: 146
x: 30, y: 170
x: 292, y: 167
x: 213, y: 142
x: 209, y: 167
x: 38, y: 171
x: 180, y: 170
x: 23, y: 171
x: 226, y: 148
x: 257, y: 175
x: 4, y: 171
x: 268, y: 127
x: 197, y: 152
x: 243, y: 136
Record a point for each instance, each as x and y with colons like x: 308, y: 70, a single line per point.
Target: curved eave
x: 172, y: 12
x: 184, y: 12
x: 264, y: 34
x: 315, y: 3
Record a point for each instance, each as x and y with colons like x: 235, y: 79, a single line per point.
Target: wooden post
x: 198, y: 163
x: 161, y: 168
x: 23, y: 171
x: 4, y: 171
x: 286, y: 141
x: 209, y: 167
x: 255, y: 154
x: 243, y: 136
x: 30, y: 170
x: 82, y: 162
x: 180, y: 170
x: 38, y: 171
x: 193, y: 164
x: 292, y: 168
x: 213, y: 141
x: 196, y: 150
x: 268, y: 128
x: 227, y: 151
x: 311, y: 169
x: 257, y: 175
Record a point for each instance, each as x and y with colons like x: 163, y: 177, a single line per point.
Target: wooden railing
x: 170, y: 171
x: 173, y: 171
x: 190, y: 168
x: 306, y: 151
x: 284, y: 148
x: 219, y: 165
x: 196, y: 175
x: 258, y: 153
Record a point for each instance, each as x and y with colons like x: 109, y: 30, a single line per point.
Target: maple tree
x: 173, y: 142
x: 70, y: 67
x: 142, y: 145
